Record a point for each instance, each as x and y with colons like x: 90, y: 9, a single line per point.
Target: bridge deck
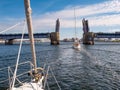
x: 107, y: 35
x: 26, y: 36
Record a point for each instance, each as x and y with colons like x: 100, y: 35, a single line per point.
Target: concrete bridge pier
x: 55, y: 38
x: 9, y: 42
x: 88, y: 38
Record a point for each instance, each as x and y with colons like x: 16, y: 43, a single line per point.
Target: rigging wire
x: 46, y: 76
x: 11, y: 27
x: 18, y: 57
x: 28, y: 62
x: 55, y: 79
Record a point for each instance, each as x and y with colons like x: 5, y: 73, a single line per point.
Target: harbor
x: 74, y: 46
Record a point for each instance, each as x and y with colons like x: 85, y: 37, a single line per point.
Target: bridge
x: 88, y: 37
x: 26, y: 36
x: 107, y: 35
x: 9, y: 38
x: 54, y: 36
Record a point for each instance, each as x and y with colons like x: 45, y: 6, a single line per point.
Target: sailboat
x: 38, y: 75
x: 76, y: 44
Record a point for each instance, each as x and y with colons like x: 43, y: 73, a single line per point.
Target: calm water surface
x: 94, y: 67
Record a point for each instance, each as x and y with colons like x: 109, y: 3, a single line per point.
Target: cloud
x: 103, y: 14
x: 107, y: 20
x: 99, y: 15
x: 106, y: 7
x: 113, y: 30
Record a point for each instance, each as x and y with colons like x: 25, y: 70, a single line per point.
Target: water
x: 94, y: 67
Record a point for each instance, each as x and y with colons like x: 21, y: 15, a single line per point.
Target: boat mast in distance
x: 76, y: 44
x: 75, y: 23
x: 28, y: 12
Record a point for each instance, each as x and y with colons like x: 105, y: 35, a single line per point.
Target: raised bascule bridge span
x: 53, y: 36
x: 88, y: 37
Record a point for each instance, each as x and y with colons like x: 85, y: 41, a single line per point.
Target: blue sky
x: 103, y: 15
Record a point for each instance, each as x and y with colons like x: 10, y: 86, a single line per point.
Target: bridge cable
x: 11, y: 27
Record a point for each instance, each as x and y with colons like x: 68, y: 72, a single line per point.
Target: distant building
x: 2, y: 41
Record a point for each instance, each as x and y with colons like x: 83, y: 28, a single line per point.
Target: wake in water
x: 108, y: 72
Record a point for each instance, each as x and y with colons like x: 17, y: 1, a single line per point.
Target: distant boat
x: 76, y: 44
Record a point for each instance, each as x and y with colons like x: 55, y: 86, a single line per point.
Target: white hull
x: 76, y: 45
x: 31, y: 86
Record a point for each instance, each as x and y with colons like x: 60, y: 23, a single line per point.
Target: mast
x: 28, y: 12
x: 75, y: 23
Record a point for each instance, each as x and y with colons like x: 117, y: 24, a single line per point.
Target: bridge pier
x: 9, y: 42
x: 55, y: 38
x: 88, y: 38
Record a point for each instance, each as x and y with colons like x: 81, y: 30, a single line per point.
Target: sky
x: 102, y: 15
